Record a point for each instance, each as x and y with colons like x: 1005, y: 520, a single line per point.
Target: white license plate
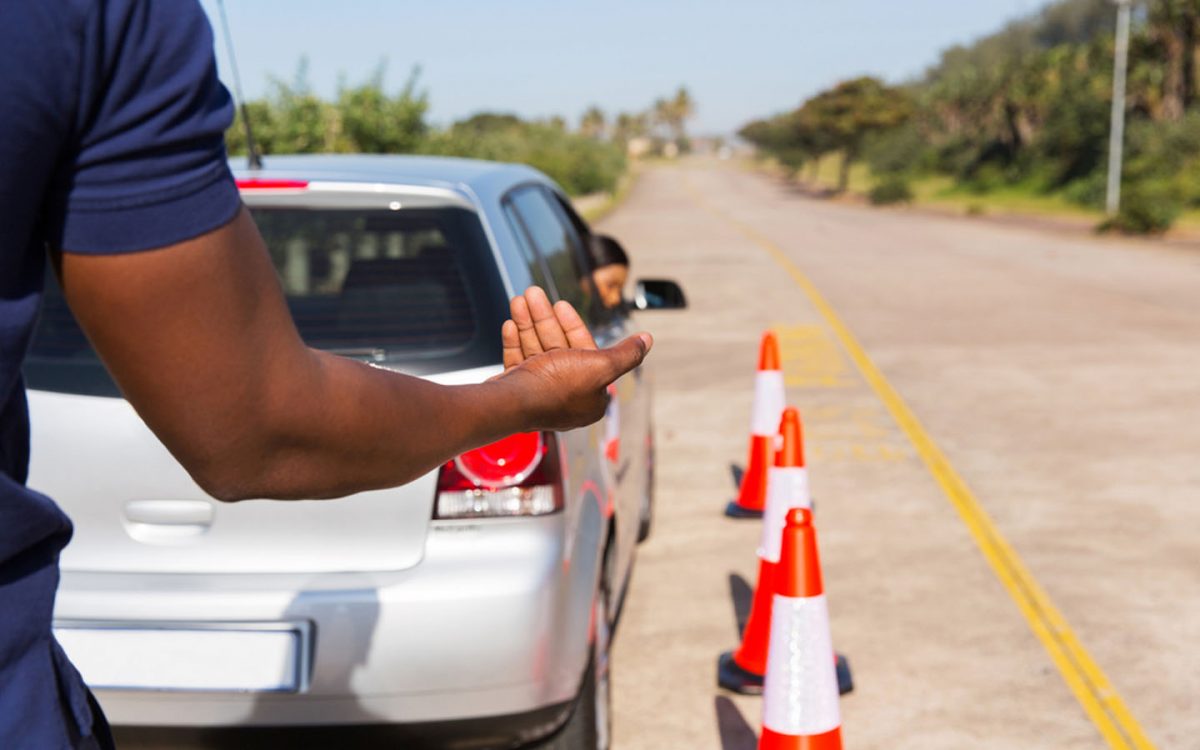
x: 254, y: 658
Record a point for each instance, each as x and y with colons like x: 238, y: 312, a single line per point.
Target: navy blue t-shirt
x: 111, y: 141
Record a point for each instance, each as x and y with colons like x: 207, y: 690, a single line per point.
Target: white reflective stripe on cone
x: 787, y: 488
x: 800, y: 693
x: 768, y: 402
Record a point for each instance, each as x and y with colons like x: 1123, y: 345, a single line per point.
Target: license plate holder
x: 255, y: 657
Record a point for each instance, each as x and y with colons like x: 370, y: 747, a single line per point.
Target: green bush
x: 1088, y: 191
x: 1146, y: 208
x: 891, y: 190
x: 580, y: 164
x: 990, y: 176
x: 1168, y: 153
x: 367, y: 119
x: 899, y: 151
x: 1188, y: 182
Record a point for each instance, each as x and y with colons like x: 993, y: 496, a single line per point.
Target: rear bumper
x: 465, y: 734
x: 493, y: 623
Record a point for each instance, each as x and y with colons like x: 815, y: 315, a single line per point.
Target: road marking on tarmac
x: 811, y: 359
x: 1099, y: 699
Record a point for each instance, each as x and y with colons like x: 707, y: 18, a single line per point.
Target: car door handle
x: 170, y: 512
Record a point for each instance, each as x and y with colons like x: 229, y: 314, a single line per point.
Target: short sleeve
x: 147, y: 165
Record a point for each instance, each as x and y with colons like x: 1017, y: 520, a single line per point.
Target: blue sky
x: 546, y: 57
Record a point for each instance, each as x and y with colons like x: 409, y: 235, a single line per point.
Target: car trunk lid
x: 136, y: 510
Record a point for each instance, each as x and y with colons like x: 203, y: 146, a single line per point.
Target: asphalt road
x: 1058, y: 376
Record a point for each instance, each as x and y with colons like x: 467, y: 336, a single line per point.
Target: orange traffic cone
x: 800, y: 697
x: 768, y: 407
x: 787, y: 487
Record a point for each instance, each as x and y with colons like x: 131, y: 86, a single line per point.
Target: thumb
x: 627, y: 355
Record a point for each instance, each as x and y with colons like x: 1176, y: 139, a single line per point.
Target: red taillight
x: 517, y: 476
x: 504, y: 463
x: 254, y: 183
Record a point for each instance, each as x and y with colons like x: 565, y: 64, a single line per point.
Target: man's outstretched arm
x: 201, y: 342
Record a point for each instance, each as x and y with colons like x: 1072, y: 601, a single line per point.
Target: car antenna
x: 253, y: 158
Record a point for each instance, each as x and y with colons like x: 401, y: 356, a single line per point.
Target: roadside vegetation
x: 1018, y: 120
x: 365, y: 118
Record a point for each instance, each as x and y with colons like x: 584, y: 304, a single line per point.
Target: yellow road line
x: 1083, y: 676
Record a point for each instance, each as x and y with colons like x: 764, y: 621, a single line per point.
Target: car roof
x: 482, y: 178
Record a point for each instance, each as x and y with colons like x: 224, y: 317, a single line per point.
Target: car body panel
x: 118, y: 468
x: 494, y: 608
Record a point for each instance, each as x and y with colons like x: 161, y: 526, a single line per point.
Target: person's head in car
x: 611, y: 266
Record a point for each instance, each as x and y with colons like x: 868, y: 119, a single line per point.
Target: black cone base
x: 732, y: 677
x: 845, y: 680
x: 733, y: 510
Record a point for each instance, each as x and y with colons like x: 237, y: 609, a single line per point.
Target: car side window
x: 537, y: 266
x: 580, y: 226
x: 599, y: 315
x: 559, y: 244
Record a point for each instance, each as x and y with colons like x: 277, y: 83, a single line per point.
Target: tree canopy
x: 1027, y: 105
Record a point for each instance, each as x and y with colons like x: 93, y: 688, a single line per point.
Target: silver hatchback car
x: 470, y: 608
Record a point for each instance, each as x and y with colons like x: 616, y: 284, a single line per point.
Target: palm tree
x: 593, y: 123
x: 683, y: 108
x: 628, y: 126
x: 661, y: 115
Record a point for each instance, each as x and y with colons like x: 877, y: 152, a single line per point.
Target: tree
x: 261, y: 120
x: 1175, y: 25
x: 661, y: 115
x: 488, y: 122
x: 593, y: 123
x: 628, y: 126
x: 1025, y: 107
x: 788, y: 138
x: 844, y: 116
x: 682, y: 108
x: 374, y: 123
x: 301, y: 122
x: 578, y: 163
x: 1074, y: 22
x: 366, y: 118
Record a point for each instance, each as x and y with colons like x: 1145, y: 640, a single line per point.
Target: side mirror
x: 658, y: 294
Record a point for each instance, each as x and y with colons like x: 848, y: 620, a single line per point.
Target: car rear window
x: 414, y: 289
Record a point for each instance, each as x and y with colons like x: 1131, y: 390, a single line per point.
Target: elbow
x: 258, y: 469
x: 236, y: 472
x: 262, y: 452
x: 229, y: 493
x: 225, y: 486
x: 249, y: 448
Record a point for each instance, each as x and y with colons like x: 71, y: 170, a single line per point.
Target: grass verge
x: 941, y: 193
x: 595, y: 207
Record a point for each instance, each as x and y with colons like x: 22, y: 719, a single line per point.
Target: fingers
x: 627, y: 355
x: 576, y: 331
x: 549, y: 330
x: 526, y: 335
x: 564, y: 388
x: 537, y: 327
x: 510, y: 338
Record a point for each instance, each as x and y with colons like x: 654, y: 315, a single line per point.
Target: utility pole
x: 1116, y: 136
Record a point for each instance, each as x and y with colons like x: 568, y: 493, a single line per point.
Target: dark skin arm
x: 199, y: 338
